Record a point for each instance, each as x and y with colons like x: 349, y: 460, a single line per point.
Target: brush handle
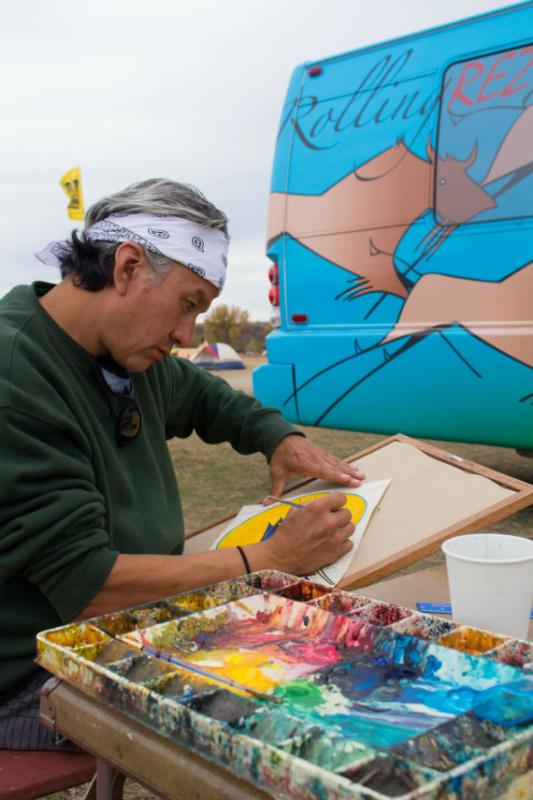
x: 285, y: 502
x: 196, y: 670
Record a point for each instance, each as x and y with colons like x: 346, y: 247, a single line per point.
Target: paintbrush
x: 194, y: 669
x: 320, y: 572
x: 285, y: 502
x: 204, y: 673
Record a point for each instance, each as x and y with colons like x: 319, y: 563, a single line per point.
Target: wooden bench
x: 28, y: 775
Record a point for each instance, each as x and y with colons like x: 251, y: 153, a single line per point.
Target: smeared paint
x: 117, y: 623
x: 390, y: 777
x: 472, y: 640
x: 424, y: 626
x: 223, y: 705
x: 180, y: 685
x: 383, y: 613
x: 304, y: 694
x: 451, y: 744
x: 303, y: 591
x: 389, y: 710
x: 151, y: 615
x: 341, y: 603
x: 75, y: 635
x: 140, y: 668
x: 510, y: 704
x: 326, y: 749
x: 516, y: 653
x: 268, y: 580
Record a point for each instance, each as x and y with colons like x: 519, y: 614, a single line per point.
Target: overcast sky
x: 186, y: 89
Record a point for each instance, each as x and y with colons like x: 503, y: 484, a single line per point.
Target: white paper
x: 371, y: 493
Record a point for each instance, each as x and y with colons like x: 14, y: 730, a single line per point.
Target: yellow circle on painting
x: 256, y: 528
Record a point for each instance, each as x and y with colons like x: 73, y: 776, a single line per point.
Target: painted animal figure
x: 460, y: 198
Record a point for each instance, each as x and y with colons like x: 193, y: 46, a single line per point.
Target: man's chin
x: 137, y: 363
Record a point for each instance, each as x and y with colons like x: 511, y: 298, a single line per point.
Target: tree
x: 225, y: 324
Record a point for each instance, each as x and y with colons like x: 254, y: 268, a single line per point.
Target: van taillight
x: 273, y: 274
x: 273, y: 277
x: 273, y: 295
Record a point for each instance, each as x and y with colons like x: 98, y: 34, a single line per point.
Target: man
x: 90, y: 516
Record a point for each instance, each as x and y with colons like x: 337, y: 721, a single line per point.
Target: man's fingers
x: 345, y: 531
x: 343, y: 517
x: 336, y: 501
x: 338, y: 472
x: 346, y: 547
x: 354, y: 471
x: 277, y: 488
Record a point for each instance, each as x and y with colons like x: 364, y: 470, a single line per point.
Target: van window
x: 484, y: 168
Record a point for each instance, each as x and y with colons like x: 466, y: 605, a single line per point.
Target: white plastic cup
x: 490, y: 576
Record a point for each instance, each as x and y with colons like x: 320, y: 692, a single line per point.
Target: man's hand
x: 311, y: 537
x: 295, y: 456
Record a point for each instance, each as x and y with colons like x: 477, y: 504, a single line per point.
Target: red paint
x: 458, y: 93
x: 475, y: 69
x: 508, y: 90
x: 493, y: 76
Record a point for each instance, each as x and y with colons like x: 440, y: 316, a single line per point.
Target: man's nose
x: 183, y: 332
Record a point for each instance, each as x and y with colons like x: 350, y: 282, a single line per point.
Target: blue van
x: 401, y: 235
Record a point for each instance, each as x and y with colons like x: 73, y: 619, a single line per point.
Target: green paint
x: 164, y: 636
x: 300, y: 692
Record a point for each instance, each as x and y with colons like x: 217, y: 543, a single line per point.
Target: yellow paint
x: 252, y: 530
x: 472, y: 640
x: 245, y: 666
x: 195, y: 602
x: 76, y: 635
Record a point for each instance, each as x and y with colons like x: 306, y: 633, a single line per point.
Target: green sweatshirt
x: 71, y: 497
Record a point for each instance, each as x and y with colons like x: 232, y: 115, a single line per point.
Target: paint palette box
x: 314, y: 693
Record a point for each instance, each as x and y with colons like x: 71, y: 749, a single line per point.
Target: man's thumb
x: 277, y: 488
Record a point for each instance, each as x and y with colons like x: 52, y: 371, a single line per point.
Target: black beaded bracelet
x: 244, y: 559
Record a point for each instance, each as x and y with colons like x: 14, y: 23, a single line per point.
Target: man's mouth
x: 161, y: 353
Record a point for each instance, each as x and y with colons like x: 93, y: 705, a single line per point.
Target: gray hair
x: 90, y: 264
x: 160, y: 196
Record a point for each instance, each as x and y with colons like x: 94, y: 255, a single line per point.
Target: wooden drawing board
x: 433, y: 495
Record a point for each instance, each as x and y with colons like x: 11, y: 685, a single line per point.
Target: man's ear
x: 130, y: 265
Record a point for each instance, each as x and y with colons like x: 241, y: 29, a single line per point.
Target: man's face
x: 150, y: 318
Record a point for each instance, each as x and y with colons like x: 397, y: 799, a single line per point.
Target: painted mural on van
x: 401, y: 219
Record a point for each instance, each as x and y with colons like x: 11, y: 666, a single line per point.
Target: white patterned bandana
x: 201, y: 249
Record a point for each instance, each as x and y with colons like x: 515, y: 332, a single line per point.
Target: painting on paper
x: 257, y: 523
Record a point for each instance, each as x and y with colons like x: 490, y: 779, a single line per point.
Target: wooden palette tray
x: 310, y: 745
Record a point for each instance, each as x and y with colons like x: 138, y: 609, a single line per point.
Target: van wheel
x: 525, y: 453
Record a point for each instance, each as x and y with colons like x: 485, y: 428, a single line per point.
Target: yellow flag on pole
x: 71, y: 185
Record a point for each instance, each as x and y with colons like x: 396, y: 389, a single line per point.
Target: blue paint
x: 507, y: 705
x: 271, y: 530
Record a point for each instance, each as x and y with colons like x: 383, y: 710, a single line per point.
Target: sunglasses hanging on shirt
x: 119, y: 382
